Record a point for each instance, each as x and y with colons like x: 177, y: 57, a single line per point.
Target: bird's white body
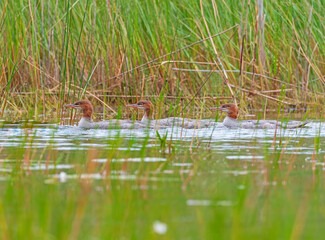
x: 231, y: 121
x: 88, y: 123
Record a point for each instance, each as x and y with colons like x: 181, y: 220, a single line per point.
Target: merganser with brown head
x: 87, y: 122
x: 232, y: 114
x: 148, y: 108
x: 147, y: 118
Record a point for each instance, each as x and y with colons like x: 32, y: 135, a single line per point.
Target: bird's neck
x: 148, y: 113
x: 230, y: 122
x: 145, y: 119
x: 233, y: 114
x: 85, y: 122
x: 87, y: 112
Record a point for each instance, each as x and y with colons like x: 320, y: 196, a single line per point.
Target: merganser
x: 148, y: 108
x: 147, y: 118
x: 87, y: 122
x: 231, y: 120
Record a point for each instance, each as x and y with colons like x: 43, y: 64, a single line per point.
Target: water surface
x: 144, y: 180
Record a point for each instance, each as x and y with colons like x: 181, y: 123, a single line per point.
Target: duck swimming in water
x: 148, y: 108
x: 147, y: 118
x: 87, y: 122
x: 231, y: 120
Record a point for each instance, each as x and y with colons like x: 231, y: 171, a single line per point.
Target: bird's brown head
x: 84, y: 105
x: 229, y: 108
x: 145, y: 105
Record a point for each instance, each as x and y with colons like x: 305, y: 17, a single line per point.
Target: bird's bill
x: 70, y: 106
x: 220, y: 109
x: 216, y: 109
x: 132, y: 106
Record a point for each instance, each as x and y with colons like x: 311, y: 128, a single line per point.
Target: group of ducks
x: 147, y: 120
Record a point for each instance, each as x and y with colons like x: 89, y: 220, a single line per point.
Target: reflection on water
x: 235, y: 146
x: 61, y: 135
x: 194, y: 202
x: 146, y: 159
x: 176, y: 178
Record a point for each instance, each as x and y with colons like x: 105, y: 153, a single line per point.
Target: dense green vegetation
x: 57, y: 51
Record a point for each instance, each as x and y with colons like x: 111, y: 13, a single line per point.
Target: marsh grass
x: 56, y: 52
